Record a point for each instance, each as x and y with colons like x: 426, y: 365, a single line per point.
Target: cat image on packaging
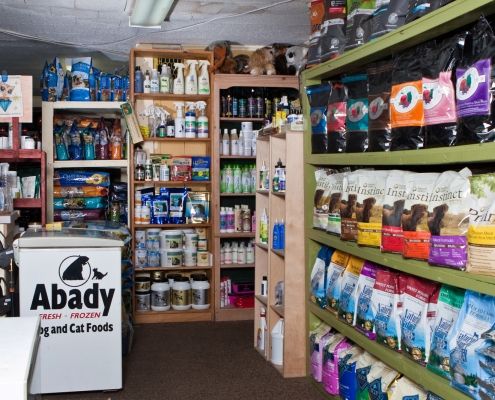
x: 316, y: 349
x: 335, y: 272
x: 365, y: 319
x: 348, y: 289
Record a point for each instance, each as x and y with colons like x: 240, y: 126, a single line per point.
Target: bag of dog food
x: 418, y: 316
x: 481, y: 231
x: 474, y: 327
x: 348, y: 222
x: 359, y: 22
x: 419, y: 190
x: 474, y: 80
x: 347, y: 371
x: 67, y: 192
x: 379, y: 87
x: 388, y: 16
x: 363, y: 368
x: 369, y: 207
x: 384, y: 303
x: 321, y: 199
x: 356, y: 113
x: 382, y: 379
x: 348, y: 289
x: 448, y: 219
x: 316, y: 349
x: 80, y: 203
x: 80, y: 79
x: 335, y: 182
x: 336, y: 116
x: 333, y: 30
x: 392, y: 240
x: 419, y: 8
x: 317, y: 14
x: 406, y: 389
x: 63, y: 177
x: 330, y: 371
x: 449, y: 305
x: 486, y: 377
x: 79, y: 215
x: 319, y: 276
x: 318, y: 97
x: 432, y: 396
x: 365, y: 319
x: 335, y: 274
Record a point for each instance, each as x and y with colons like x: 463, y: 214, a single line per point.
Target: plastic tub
x: 171, y: 258
x: 171, y: 240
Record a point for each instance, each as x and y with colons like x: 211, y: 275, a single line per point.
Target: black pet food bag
x: 357, y: 113
x: 318, y: 96
x: 336, y: 116
x: 333, y: 29
x: 388, y: 16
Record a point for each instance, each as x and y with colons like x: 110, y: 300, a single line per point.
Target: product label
x: 379, y: 111
x: 407, y: 105
x: 473, y: 90
x: 160, y: 298
x: 200, y: 297
x: 439, y: 100
x: 369, y: 234
x: 349, y: 229
x: 181, y: 297
x: 318, y: 120
x: 336, y: 115
x: 142, y: 302
x: 357, y: 115
x: 448, y: 250
x: 416, y: 245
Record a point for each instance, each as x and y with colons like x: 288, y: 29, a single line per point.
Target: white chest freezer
x: 72, y: 280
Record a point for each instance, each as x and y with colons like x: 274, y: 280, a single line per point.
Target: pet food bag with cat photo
x: 319, y: 276
x: 406, y: 389
x: 449, y: 305
x: 370, y: 196
x: 80, y: 79
x: 348, y: 222
x: 481, y: 231
x: 316, y: 349
x: 418, y: 317
x: 382, y: 379
x: 330, y: 371
x: 321, y: 199
x: 363, y: 368
x: 419, y: 189
x: 392, y: 240
x: 449, y: 219
x: 385, y: 308
x: 365, y: 320
x: 335, y: 274
x: 347, y: 371
x: 348, y: 289
x: 335, y: 181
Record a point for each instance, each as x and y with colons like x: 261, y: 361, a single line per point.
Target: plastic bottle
x: 165, y: 80
x: 276, y: 176
x: 204, y: 78
x: 263, y: 172
x: 227, y: 253
x: 228, y: 105
x: 148, y: 171
x: 222, y: 254
x: 260, y: 343
x: 138, y: 80
x: 160, y: 296
x: 246, y: 219
x: 164, y: 173
x: 246, y: 180
x: 237, y: 179
x: 170, y: 127
x: 229, y: 179
x: 223, y: 220
x: 264, y: 286
x: 263, y: 227
x: 200, y: 289
x: 281, y: 178
x: 276, y: 236
x: 277, y: 343
x: 2, y: 198
x: 234, y: 143
x: 155, y: 82
x: 241, y: 254
x: 139, y: 172
x: 253, y: 178
x: 242, y: 105
x: 248, y: 140
x: 190, y: 120
x: 235, y: 252
x: 192, y: 78
x: 235, y: 105
x: 253, y: 143
x: 222, y: 180
x: 147, y: 83
x: 202, y: 123
x: 238, y: 217
x: 282, y: 235
x: 145, y: 215
x: 241, y: 143
x: 230, y: 220
x: 181, y: 294
x: 249, y: 254
x: 179, y: 81
x: 251, y: 108
x: 226, y: 142
x: 179, y: 128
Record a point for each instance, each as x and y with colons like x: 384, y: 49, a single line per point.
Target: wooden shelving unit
x: 446, y: 19
x: 175, y: 147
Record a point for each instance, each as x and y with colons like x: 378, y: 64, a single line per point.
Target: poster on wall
x: 11, y: 104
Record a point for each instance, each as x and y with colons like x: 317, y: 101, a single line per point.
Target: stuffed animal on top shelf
x: 224, y: 62
x: 296, y: 56
x: 261, y: 62
x: 279, y: 50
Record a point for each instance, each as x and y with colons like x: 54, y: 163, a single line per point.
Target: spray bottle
x: 202, y: 125
x: 179, y: 81
x: 204, y: 78
x: 179, y: 128
x: 190, y: 120
x: 192, y: 78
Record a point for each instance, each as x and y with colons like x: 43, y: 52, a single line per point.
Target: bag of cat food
x: 474, y: 326
x: 474, y: 80
x: 392, y: 240
x: 419, y: 189
x: 406, y: 389
x: 335, y: 274
x: 333, y: 30
x: 384, y: 303
x: 407, y: 116
x: 365, y: 319
x: 382, y: 379
x: 481, y: 231
x: 388, y: 16
x: 347, y: 371
x: 330, y: 371
x: 418, y: 315
x: 319, y: 276
x: 363, y: 368
x: 348, y: 289
x: 419, y: 8
x: 336, y: 116
x: 80, y: 74
x: 448, y: 219
x: 321, y: 199
x: 369, y: 207
x: 356, y: 113
x: 317, y: 13
x: 348, y: 222
x: 318, y: 97
x: 335, y: 182
x: 449, y: 305
x: 359, y: 22
x: 379, y: 87
x: 316, y: 349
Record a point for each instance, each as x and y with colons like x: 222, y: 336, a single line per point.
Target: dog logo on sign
x: 75, y: 271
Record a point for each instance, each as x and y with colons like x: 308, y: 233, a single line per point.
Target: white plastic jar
x: 200, y: 289
x: 160, y: 296
x: 181, y: 294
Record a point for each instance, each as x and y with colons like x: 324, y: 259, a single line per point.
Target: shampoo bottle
x: 190, y: 120
x: 147, y: 83
x: 223, y: 220
x: 165, y: 80
x: 179, y: 128
x: 237, y: 178
x: 281, y: 235
x: 138, y: 80
x: 262, y: 330
x: 234, y: 143
x: 276, y: 236
x: 202, y: 124
x: 204, y: 78
x: 241, y: 143
x: 179, y: 81
x: 230, y: 220
x: 192, y: 78
x: 226, y: 143
x: 155, y: 83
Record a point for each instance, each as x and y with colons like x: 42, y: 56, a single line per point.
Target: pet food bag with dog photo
x: 335, y: 182
x: 481, y: 231
x: 336, y: 116
x: 370, y: 196
x: 318, y: 96
x: 332, y: 343
x: 348, y: 222
x: 418, y: 317
x: 319, y: 276
x: 348, y: 289
x: 347, y: 371
x: 80, y: 79
x: 406, y: 389
x: 356, y: 113
x: 449, y: 220
x: 365, y: 320
x: 382, y: 379
x: 363, y: 368
x: 335, y: 274
x: 392, y: 240
x: 449, y: 305
x: 316, y: 349
x: 321, y: 199
x: 419, y: 189
x: 384, y: 303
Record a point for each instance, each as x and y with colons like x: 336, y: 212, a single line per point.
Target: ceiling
x: 32, y: 31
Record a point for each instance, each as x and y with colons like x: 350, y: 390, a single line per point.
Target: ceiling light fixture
x: 150, y: 13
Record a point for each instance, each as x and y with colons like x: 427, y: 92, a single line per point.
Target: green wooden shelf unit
x: 449, y: 18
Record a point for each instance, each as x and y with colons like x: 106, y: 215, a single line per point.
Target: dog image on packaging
x: 335, y: 274
x: 348, y: 289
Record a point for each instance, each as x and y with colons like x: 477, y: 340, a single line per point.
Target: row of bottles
x: 237, y: 179
x: 278, y: 237
x: 243, y: 144
x: 235, y: 253
x: 278, y: 180
x: 236, y: 220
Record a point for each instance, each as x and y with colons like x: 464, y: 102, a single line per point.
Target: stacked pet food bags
x: 447, y: 329
x: 80, y: 195
x: 118, y: 210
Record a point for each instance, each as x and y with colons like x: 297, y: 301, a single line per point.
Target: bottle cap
x: 148, y: 162
x: 264, y: 278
